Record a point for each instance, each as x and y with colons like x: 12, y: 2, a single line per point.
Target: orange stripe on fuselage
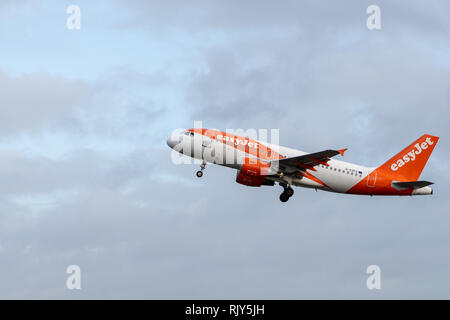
x: 247, y: 145
x: 313, y: 178
x: 407, y: 165
x: 381, y: 186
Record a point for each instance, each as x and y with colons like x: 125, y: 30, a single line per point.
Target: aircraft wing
x: 308, y: 161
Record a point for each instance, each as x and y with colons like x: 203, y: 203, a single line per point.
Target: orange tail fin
x: 409, y: 163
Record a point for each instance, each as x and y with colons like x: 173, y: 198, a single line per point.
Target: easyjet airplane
x: 259, y: 163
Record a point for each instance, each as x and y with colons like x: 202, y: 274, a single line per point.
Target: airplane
x: 263, y: 164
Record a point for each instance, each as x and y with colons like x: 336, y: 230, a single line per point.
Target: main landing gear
x: 202, y: 167
x: 287, y: 193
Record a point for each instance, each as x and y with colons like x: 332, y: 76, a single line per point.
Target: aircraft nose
x: 172, y: 141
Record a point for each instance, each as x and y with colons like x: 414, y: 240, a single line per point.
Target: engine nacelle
x: 253, y: 173
x: 255, y: 168
x: 249, y: 180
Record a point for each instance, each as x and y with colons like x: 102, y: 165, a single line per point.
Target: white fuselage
x: 338, y: 176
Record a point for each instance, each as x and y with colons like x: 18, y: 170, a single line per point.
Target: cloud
x: 87, y: 177
x: 353, y: 86
x: 36, y: 100
x: 228, y: 244
x: 18, y: 10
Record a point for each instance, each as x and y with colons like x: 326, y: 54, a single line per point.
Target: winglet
x: 342, y: 151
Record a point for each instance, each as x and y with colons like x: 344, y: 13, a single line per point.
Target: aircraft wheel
x: 199, y: 174
x: 289, y: 191
x: 284, y: 197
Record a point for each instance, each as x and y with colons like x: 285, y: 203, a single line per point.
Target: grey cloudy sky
x: 87, y: 178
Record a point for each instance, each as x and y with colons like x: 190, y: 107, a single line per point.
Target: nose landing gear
x: 202, y: 167
x: 287, y: 193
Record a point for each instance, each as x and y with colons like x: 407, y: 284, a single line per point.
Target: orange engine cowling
x: 253, y: 173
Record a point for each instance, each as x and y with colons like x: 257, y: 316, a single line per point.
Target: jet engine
x: 253, y: 173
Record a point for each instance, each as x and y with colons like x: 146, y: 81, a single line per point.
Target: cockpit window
x: 189, y: 133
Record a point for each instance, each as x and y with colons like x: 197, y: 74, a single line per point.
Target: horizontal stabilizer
x: 411, y: 184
